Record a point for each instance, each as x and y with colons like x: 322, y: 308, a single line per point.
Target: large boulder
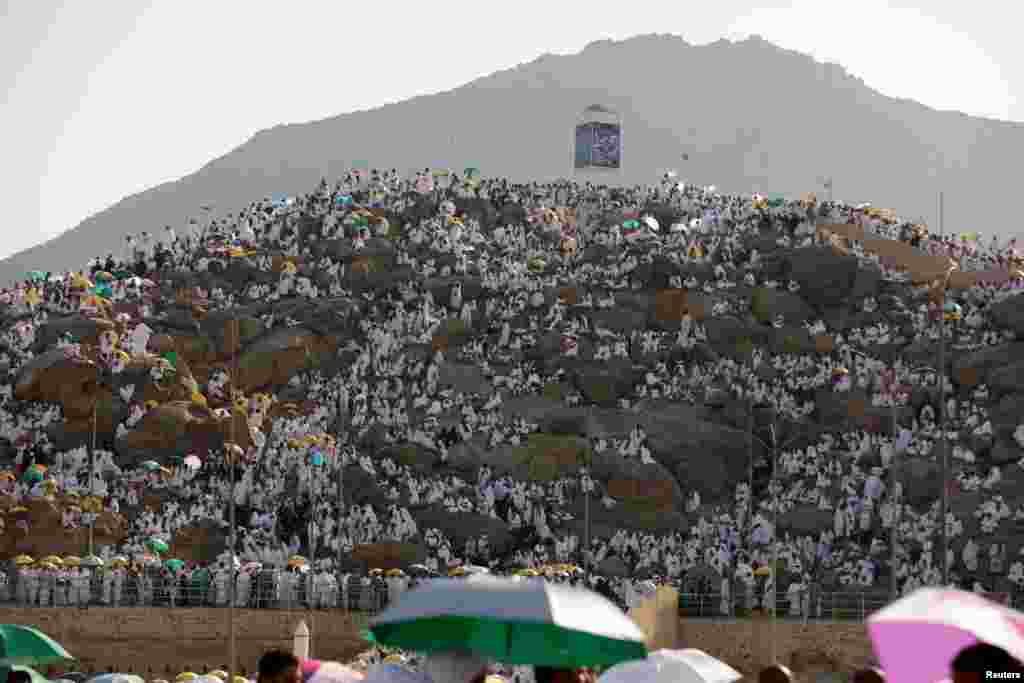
x: 767, y: 303
x: 988, y: 364
x: 389, y: 555
x: 702, y: 455
x: 275, y: 357
x: 461, y: 526
x: 825, y: 277
x: 1009, y: 313
x: 43, y: 532
x: 200, y: 542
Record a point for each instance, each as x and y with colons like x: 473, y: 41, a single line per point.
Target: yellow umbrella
x: 18, y: 508
x: 396, y: 572
x: 185, y: 676
x: 458, y: 571
x: 240, y: 679
x: 219, y: 673
x: 763, y: 571
x: 23, y: 560
x: 119, y: 563
x: 53, y: 559
x: 394, y: 659
x: 526, y: 572
x: 48, y: 566
x: 72, y: 561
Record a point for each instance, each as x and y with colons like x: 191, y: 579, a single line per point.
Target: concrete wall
x: 174, y: 640
x: 166, y: 640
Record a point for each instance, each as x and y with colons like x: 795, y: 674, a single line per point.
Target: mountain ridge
x: 781, y: 122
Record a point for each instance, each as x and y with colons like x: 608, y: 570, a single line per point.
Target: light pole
x: 774, y: 448
x: 897, y: 504
x: 232, y: 457
x: 942, y: 406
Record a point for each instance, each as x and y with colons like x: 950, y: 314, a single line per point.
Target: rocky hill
x: 660, y: 347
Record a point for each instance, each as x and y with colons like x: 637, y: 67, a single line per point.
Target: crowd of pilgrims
x: 286, y: 508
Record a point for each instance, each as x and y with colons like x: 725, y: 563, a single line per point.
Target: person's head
x: 18, y: 677
x: 869, y: 676
x: 971, y: 664
x: 454, y: 667
x: 279, y: 666
x: 776, y: 673
x: 546, y: 674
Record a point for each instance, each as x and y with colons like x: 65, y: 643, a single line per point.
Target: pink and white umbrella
x: 917, y: 637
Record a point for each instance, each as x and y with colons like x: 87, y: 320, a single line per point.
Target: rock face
x: 573, y: 359
x: 38, y: 531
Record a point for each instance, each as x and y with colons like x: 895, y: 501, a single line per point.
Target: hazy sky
x: 106, y: 99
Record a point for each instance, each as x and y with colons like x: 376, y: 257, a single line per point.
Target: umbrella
x: 157, y: 545
x: 515, y: 622
x: 28, y: 646
x: 297, y: 561
x: 316, y: 671
x: 33, y: 475
x: 72, y: 561
x: 92, y: 561
x: 946, y: 621
x: 192, y: 462
x: 53, y: 559
x: 23, y: 560
x: 150, y: 465
x: 672, y: 666
x: 174, y: 564
x: 219, y: 673
x: 185, y: 676
x: 116, y: 678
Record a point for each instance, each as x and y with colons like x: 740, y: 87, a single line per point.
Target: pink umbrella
x: 917, y: 637
x: 317, y: 671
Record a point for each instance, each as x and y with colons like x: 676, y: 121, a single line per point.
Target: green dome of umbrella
x: 513, y: 622
x: 150, y: 465
x: 28, y: 646
x: 174, y: 564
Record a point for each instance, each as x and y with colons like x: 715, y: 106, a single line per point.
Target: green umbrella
x: 150, y: 465
x: 513, y: 622
x: 174, y: 564
x: 33, y: 475
x: 157, y: 545
x: 25, y: 645
x: 36, y: 275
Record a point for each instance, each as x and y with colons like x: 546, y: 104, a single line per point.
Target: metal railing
x: 265, y: 591
x: 805, y: 605
x: 281, y: 590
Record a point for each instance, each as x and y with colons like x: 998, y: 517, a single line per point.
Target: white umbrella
x: 672, y: 666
